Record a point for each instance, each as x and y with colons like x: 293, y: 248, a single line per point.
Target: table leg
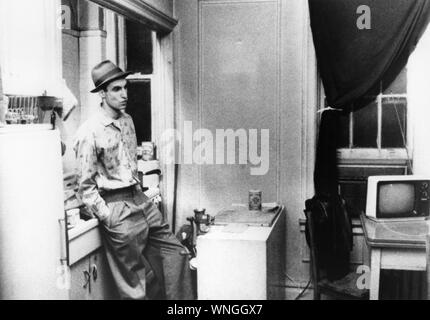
x: 375, y: 270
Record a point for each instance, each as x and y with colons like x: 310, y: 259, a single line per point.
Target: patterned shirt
x: 107, y: 159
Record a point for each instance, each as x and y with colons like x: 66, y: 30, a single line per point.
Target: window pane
x: 393, y: 122
x: 344, y: 131
x: 366, y: 126
x: 139, y: 107
x: 139, y: 48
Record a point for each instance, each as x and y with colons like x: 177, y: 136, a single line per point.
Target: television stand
x: 395, y: 246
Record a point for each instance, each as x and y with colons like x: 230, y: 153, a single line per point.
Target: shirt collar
x: 106, y: 120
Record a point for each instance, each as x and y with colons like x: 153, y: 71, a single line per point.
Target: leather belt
x: 121, y: 194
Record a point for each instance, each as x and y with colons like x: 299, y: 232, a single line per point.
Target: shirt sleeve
x: 86, y: 156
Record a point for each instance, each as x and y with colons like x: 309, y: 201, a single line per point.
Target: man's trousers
x: 136, y: 230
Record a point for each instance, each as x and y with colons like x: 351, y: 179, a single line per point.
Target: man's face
x: 116, y: 95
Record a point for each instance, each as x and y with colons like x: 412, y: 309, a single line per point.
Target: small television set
x: 399, y: 198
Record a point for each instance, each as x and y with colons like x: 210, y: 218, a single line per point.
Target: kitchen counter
x: 90, y: 277
x: 84, y: 239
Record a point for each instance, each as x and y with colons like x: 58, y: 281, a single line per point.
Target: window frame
x: 162, y: 101
x: 356, y: 164
x: 378, y: 155
x: 121, y: 57
x: 151, y: 78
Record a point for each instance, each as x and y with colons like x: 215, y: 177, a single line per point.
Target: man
x: 132, y: 226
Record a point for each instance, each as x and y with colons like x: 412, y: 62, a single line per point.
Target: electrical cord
x: 303, y: 291
x: 292, y: 280
x: 298, y: 286
x: 403, y: 137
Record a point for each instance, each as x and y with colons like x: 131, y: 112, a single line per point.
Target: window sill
x: 373, y: 162
x: 373, y: 156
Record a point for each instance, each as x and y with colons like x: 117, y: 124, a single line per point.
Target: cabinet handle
x: 95, y: 272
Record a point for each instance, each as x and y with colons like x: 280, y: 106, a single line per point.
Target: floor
x: 293, y: 293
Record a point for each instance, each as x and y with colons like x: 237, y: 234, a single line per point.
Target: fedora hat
x: 106, y: 72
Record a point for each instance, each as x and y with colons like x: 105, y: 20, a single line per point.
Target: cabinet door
x: 79, y: 286
x: 102, y: 284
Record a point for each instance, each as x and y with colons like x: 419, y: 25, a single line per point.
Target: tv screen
x: 396, y: 198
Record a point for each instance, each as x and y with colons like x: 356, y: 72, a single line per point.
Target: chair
x: 343, y: 289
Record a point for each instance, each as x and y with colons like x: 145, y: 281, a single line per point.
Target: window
x: 374, y: 141
x: 139, y: 51
x: 378, y: 131
x: 146, y: 49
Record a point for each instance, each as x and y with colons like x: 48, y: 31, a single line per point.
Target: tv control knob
x: 424, y: 186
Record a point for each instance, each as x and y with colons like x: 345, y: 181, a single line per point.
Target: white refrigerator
x: 33, y: 251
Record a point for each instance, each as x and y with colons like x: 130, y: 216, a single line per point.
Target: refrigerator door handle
x: 64, y: 234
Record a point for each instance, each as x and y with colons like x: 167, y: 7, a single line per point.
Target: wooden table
x: 395, y: 246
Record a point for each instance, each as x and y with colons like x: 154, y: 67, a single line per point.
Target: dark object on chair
x: 343, y: 288
x: 332, y: 230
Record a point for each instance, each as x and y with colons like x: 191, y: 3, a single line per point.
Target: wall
x: 165, y: 6
x: 247, y: 65
x: 418, y: 103
x: 71, y: 76
x: 83, y: 47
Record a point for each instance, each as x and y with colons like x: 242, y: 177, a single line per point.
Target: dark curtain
x: 352, y: 63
